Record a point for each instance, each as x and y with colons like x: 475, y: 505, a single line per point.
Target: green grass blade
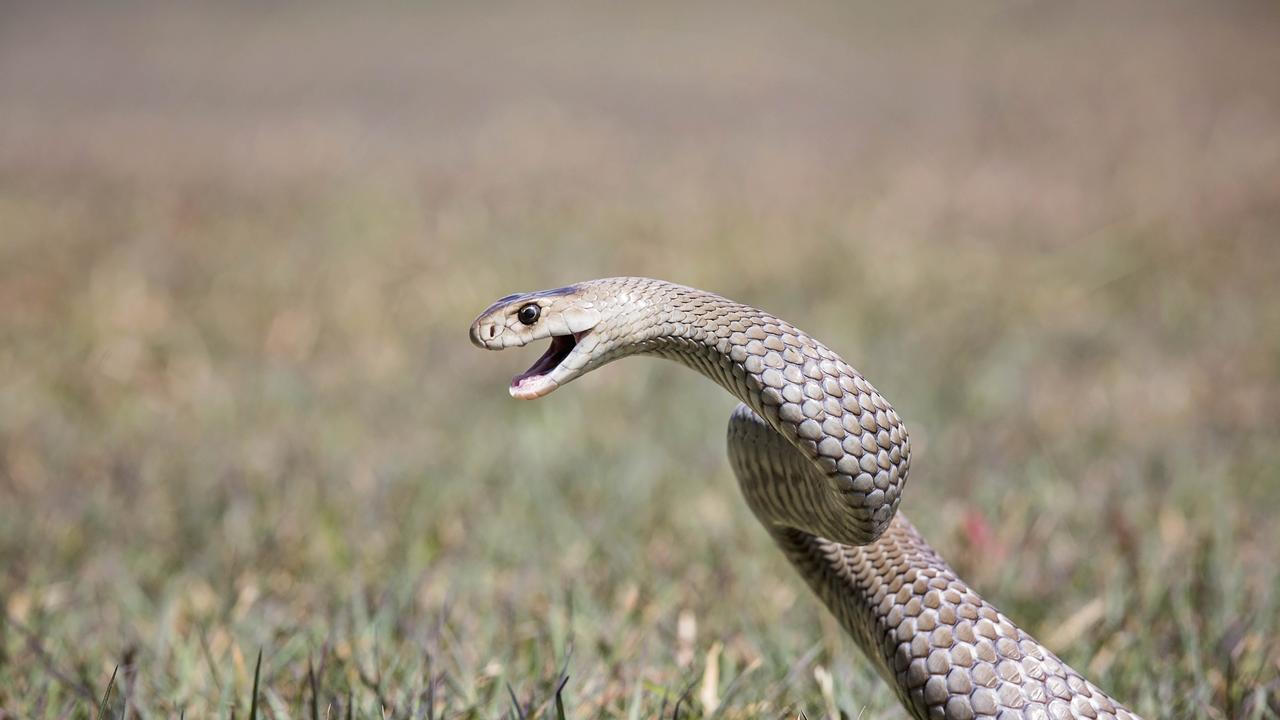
x: 106, y: 696
x: 253, y: 701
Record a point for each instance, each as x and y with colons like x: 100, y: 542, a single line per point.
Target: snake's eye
x: 529, y: 314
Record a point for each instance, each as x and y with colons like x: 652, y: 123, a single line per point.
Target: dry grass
x: 238, y: 410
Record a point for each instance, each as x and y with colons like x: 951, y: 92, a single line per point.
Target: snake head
x: 565, y: 315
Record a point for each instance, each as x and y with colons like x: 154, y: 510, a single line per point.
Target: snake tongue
x: 533, y: 383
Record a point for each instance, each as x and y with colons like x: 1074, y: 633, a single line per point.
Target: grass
x: 239, y: 415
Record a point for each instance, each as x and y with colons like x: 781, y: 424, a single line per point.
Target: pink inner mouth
x: 561, y: 346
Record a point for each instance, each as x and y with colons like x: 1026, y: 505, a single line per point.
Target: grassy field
x: 239, y: 414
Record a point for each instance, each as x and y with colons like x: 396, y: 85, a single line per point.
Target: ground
x: 240, y: 249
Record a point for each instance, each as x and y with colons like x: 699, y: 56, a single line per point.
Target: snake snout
x: 484, y: 332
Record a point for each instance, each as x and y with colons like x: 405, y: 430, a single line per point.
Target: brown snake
x: 822, y: 458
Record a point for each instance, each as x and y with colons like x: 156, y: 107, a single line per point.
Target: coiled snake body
x: 822, y: 459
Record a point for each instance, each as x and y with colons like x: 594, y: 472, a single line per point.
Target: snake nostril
x: 493, y: 330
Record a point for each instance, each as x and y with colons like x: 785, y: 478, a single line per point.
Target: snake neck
x: 803, y: 390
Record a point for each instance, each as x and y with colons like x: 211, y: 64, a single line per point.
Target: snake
x: 821, y: 458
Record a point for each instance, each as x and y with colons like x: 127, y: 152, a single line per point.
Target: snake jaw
x: 549, y: 371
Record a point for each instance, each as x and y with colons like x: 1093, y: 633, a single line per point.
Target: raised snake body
x: 821, y: 458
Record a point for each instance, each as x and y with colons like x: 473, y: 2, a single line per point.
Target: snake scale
x: 822, y: 459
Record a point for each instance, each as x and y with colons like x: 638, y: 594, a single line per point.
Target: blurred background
x: 240, y: 246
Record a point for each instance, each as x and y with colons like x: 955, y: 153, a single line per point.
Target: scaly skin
x: 822, y: 459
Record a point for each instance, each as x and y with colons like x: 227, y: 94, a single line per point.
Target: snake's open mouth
x: 534, y: 382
